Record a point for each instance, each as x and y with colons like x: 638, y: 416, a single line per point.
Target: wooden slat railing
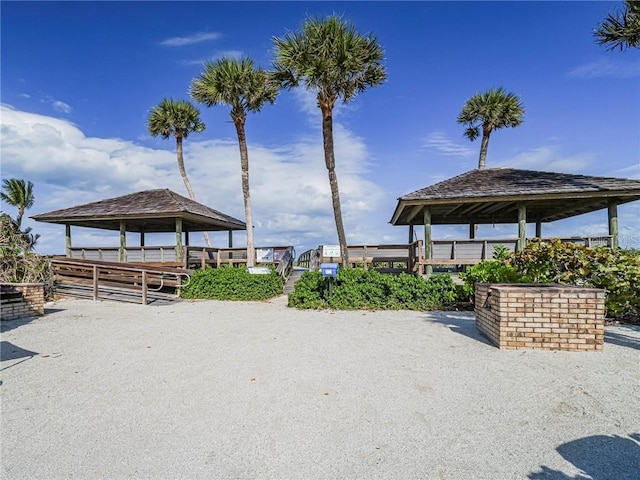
x: 99, y: 273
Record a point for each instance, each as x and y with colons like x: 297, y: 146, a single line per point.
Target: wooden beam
x: 142, y: 238
x: 122, y: 252
x: 410, y: 233
x: 67, y: 233
x: 178, y: 238
x: 522, y: 226
x: 472, y: 230
x: 414, y: 211
x: 428, y: 247
x: 613, y: 224
x: 538, y: 229
x: 230, y: 238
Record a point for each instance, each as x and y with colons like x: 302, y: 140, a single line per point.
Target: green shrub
x: 552, y: 261
x: 498, y: 270
x: 615, y: 270
x: 230, y: 283
x: 356, y: 288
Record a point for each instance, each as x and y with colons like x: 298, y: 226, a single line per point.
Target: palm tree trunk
x: 482, y: 161
x: 244, y: 165
x: 185, y: 179
x: 330, y: 162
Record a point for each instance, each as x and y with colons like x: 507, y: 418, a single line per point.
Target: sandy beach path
x: 234, y: 390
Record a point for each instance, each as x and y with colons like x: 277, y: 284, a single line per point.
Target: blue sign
x: 329, y: 269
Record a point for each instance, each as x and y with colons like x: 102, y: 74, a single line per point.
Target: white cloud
x: 440, y: 142
x: 548, y: 158
x: 607, y: 67
x: 223, y: 53
x: 190, y: 40
x: 289, y: 185
x: 25, y: 95
x: 61, y: 106
x: 632, y: 171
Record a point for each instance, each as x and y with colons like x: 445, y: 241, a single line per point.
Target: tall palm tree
x: 332, y: 59
x: 177, y: 118
x: 19, y: 194
x: 244, y: 87
x: 490, y: 111
x: 622, y: 29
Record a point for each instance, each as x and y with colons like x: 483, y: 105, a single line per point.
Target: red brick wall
x: 29, y: 302
x: 541, y: 316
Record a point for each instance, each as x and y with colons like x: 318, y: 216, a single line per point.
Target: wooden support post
x: 122, y: 252
x: 613, y: 225
x: 142, y: 238
x: 428, y: 247
x: 186, y: 239
x: 230, y: 238
x: 522, y: 226
x: 144, y: 287
x: 472, y: 230
x: 538, y: 229
x: 410, y: 233
x: 95, y: 282
x: 178, y: 239
x: 67, y: 232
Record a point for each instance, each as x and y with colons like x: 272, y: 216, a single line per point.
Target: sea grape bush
x: 356, y: 288
x: 229, y: 283
x: 615, y: 270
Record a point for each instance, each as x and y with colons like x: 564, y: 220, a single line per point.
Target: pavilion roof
x: 493, y: 196
x: 148, y: 211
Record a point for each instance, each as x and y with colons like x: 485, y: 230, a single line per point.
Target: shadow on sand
x: 463, y: 323
x: 599, y: 457
x: 629, y: 338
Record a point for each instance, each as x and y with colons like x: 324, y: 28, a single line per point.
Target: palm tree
x: 18, y: 193
x: 245, y: 88
x: 177, y: 118
x: 621, y: 30
x: 490, y: 110
x: 332, y: 59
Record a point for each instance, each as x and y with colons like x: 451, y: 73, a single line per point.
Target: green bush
x: 356, y: 288
x: 552, y: 261
x: 615, y: 270
x: 498, y: 270
x: 230, y: 283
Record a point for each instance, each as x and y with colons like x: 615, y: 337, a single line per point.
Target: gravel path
x: 231, y: 390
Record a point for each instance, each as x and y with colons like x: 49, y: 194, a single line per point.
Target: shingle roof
x: 149, y: 210
x: 497, y: 182
x: 494, y: 195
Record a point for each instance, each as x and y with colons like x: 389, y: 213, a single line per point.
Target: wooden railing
x: 193, y: 257
x: 411, y: 257
x: 472, y: 251
x: 151, y: 254
x: 114, y: 275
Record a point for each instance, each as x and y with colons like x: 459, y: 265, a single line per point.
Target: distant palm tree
x: 621, y: 30
x: 177, y: 118
x: 245, y: 88
x: 490, y: 111
x: 19, y: 194
x: 332, y: 59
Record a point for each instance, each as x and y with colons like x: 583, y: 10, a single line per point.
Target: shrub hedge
x: 615, y: 270
x: 356, y: 288
x: 229, y: 283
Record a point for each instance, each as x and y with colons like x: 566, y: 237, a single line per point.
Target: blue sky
x: 79, y: 78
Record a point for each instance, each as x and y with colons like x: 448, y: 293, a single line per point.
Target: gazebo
x: 149, y: 211
x: 509, y: 195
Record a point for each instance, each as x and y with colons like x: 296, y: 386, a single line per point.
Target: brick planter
x: 19, y: 300
x: 541, y: 316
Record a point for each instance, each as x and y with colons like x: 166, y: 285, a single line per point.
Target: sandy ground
x: 203, y: 390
